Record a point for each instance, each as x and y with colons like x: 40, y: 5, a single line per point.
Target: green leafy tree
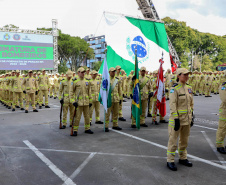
x: 96, y: 65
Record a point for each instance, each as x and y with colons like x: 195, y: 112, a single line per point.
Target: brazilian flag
x: 136, y: 102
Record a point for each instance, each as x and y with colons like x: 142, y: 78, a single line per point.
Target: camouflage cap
x: 112, y: 69
x: 81, y: 69
x: 143, y: 69
x: 17, y: 71
x: 29, y: 71
x: 69, y: 73
x: 182, y: 71
x: 93, y: 72
x: 43, y: 70
x: 118, y: 67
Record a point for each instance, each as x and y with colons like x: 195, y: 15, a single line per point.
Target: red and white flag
x: 161, y: 100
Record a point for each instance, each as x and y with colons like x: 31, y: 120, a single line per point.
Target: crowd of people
x: 80, y: 91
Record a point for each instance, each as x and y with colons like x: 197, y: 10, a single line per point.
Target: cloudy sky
x: 82, y: 17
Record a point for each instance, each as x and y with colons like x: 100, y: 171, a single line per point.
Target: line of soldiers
x: 203, y: 83
x: 31, y: 88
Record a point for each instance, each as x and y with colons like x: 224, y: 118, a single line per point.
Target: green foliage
x: 207, y: 64
x: 96, y: 65
x: 62, y: 68
x: 185, y: 40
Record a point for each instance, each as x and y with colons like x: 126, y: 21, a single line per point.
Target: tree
x: 186, y: 39
x: 96, y: 65
x: 62, y: 68
x: 207, y: 64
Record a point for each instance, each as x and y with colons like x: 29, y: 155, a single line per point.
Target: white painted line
x: 205, y: 127
x: 82, y: 152
x: 55, y: 170
x: 79, y: 169
x: 213, y: 147
x: 163, y: 147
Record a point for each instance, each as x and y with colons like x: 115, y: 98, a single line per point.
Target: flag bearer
x: 145, y: 89
x: 116, y: 94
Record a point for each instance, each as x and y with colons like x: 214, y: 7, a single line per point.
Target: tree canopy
x: 211, y: 48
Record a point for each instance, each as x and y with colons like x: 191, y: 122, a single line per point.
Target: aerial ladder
x: 149, y: 12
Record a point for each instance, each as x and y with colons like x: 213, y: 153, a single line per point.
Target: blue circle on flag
x: 136, y: 94
x: 105, y: 84
x: 138, y: 42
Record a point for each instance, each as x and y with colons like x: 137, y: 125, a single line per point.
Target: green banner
x: 26, y: 52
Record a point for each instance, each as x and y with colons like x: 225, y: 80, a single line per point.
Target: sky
x: 83, y: 17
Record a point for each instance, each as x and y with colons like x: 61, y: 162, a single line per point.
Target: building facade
x: 99, y: 46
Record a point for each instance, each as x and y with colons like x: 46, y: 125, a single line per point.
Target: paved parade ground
x: 35, y: 152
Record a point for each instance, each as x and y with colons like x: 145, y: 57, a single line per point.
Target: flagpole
x: 104, y: 118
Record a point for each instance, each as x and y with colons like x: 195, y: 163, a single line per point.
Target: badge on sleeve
x: 172, y: 91
x: 222, y: 88
x: 71, y: 83
x: 189, y: 91
x: 87, y: 83
x: 97, y: 83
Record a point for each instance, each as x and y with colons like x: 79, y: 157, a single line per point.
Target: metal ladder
x: 149, y: 12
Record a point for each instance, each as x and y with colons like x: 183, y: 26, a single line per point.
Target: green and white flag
x: 105, y: 89
x: 123, y: 34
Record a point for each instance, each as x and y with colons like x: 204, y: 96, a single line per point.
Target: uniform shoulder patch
x: 174, y: 85
x: 117, y: 77
x: 172, y: 91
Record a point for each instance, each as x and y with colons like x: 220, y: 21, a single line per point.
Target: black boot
x: 40, y: 107
x: 172, y: 166
x: 17, y: 107
x: 154, y: 123
x: 35, y: 110
x: 22, y: 109
x: 47, y: 106
x: 122, y: 119
x: 63, y: 127
x: 124, y: 101
x: 89, y: 131
x: 149, y: 115
x: 9, y: 107
x: 54, y: 97
x: 106, y: 130
x: 13, y: 110
x: 26, y: 111
x: 117, y: 128
x: 221, y: 150
x: 185, y: 162
x: 133, y: 126
x: 143, y: 125
x: 74, y: 133
x: 163, y: 121
x: 98, y: 122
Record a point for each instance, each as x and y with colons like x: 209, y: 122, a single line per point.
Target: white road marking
x: 164, y: 147
x: 56, y: 170
x: 79, y: 169
x: 83, y: 152
x: 213, y: 147
x: 205, y: 127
